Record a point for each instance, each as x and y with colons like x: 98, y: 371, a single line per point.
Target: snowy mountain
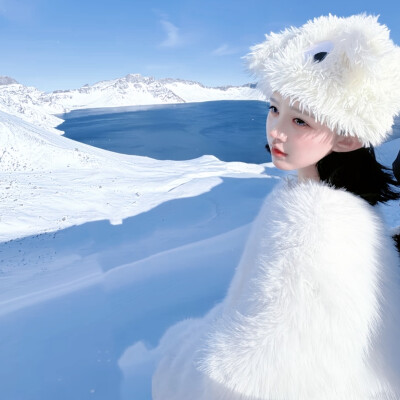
x: 134, y: 89
x: 196, y: 92
x: 29, y: 104
x: 6, y: 80
x: 127, y: 91
x: 38, y: 107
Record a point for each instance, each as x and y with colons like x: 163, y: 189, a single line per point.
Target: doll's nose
x: 277, y: 133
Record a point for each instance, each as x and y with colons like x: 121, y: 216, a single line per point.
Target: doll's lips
x: 278, y: 153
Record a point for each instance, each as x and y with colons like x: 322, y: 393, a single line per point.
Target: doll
x: 313, y: 310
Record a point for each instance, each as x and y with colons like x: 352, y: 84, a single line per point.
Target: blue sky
x: 63, y: 44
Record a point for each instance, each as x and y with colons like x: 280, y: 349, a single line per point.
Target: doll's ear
x: 346, y: 143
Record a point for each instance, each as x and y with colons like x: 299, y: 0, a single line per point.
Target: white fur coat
x: 312, y: 312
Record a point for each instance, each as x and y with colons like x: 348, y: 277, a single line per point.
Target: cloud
x: 225, y: 50
x: 173, y: 38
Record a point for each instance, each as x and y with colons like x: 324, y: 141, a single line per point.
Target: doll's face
x: 296, y: 140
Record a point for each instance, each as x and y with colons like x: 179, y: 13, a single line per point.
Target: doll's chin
x: 280, y: 164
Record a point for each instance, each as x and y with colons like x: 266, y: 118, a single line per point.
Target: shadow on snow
x: 62, y: 338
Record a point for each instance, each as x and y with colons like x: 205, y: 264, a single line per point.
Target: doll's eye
x: 300, y: 122
x: 273, y: 109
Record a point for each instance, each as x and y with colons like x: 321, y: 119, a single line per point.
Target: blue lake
x: 229, y: 130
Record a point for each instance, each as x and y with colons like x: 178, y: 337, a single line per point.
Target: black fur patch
x: 320, y: 56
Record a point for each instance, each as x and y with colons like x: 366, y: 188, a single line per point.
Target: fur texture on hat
x: 344, y: 71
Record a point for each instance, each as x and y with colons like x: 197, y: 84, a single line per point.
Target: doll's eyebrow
x: 274, y: 100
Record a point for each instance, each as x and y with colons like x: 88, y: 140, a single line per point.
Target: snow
x: 194, y: 92
x: 6, y: 80
x: 28, y: 104
x: 40, y: 168
x: 101, y: 252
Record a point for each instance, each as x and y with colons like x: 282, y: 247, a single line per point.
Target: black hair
x: 397, y: 241
x: 360, y: 173
x: 396, y: 173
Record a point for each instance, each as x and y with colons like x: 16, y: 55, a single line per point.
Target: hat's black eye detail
x: 320, y: 56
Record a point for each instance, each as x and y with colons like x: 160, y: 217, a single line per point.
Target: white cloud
x: 173, y: 38
x: 225, y: 50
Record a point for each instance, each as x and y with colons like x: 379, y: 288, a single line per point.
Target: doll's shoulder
x: 317, y: 197
x: 311, y: 193
x: 317, y: 206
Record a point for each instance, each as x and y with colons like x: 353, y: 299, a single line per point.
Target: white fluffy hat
x: 345, y: 71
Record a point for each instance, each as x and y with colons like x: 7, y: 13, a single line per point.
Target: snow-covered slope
x: 196, y: 92
x: 39, y: 108
x: 48, y: 182
x: 81, y: 228
x: 30, y: 104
